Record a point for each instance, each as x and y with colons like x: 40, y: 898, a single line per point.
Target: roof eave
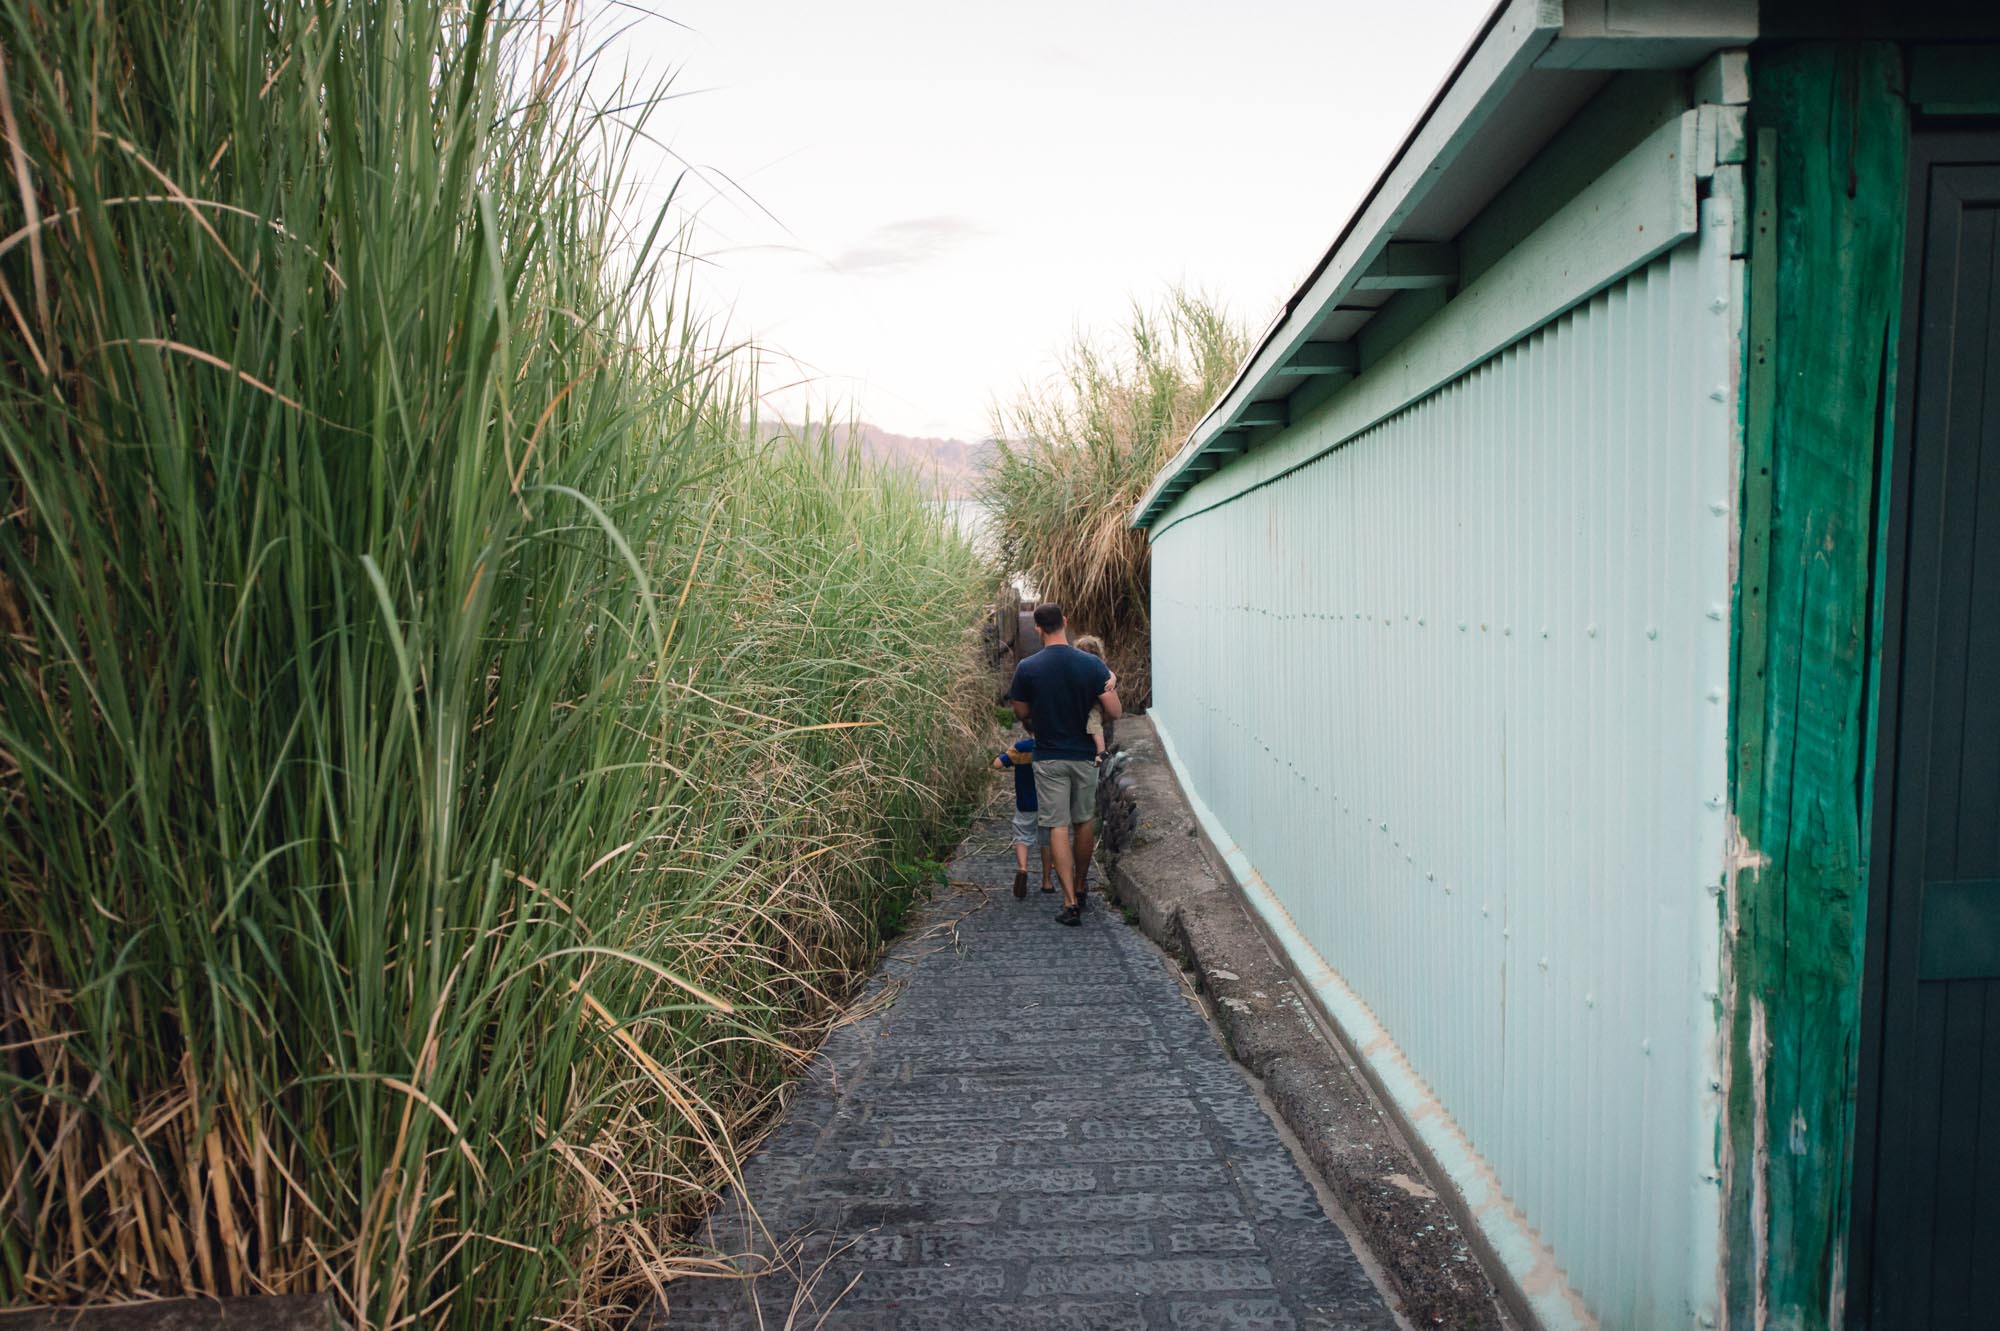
x: 1517, y: 36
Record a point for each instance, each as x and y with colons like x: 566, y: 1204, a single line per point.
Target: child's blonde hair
x: 1091, y: 643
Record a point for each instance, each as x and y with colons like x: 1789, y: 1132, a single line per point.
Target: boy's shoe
x: 1020, y: 883
x: 1069, y: 915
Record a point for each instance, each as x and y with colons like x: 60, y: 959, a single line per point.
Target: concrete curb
x: 302, y: 1312
x: 1162, y: 871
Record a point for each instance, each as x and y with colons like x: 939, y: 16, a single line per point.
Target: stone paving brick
x: 998, y: 1130
x: 1004, y: 1245
x: 929, y: 1282
x: 1142, y: 1130
x: 1039, y: 1133
x: 1058, y: 1315
x: 1086, y: 1153
x: 1011, y: 1179
x: 1106, y: 1207
x: 927, y: 1156
x: 1217, y: 1236
x: 1173, y: 1276
x: 870, y: 1247
x: 1232, y: 1315
x: 1274, y: 1187
x: 1134, y: 1178
x: 958, y: 1211
x: 1114, y: 1105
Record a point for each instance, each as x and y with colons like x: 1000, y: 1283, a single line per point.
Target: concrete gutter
x: 1166, y: 875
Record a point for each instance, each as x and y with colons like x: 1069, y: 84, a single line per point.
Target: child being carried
x: 1094, y: 727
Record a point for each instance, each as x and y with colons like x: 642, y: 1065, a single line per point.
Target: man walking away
x: 1054, y: 690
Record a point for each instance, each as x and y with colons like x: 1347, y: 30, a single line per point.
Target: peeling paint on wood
x: 1831, y: 141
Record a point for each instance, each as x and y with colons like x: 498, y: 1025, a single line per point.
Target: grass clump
x: 1074, y: 456
x: 444, y: 762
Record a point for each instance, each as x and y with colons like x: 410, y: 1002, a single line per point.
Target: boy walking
x: 1028, y: 830
x: 1053, y: 691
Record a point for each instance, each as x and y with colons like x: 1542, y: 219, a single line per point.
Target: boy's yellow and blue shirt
x: 1024, y: 773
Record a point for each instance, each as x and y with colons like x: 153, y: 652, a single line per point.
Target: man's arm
x: 1017, y: 695
x: 1108, y: 700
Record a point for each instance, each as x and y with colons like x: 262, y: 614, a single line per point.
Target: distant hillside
x: 953, y: 463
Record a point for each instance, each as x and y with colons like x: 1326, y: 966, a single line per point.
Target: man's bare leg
x: 1085, y: 842
x: 1059, y: 848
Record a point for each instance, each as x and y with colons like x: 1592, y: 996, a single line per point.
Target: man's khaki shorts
x: 1066, y: 790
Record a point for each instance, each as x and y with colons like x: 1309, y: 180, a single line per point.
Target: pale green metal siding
x: 1458, y: 690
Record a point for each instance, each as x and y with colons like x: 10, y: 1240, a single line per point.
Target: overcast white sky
x: 912, y: 203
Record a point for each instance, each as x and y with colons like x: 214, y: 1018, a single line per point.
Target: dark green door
x: 1926, y: 1226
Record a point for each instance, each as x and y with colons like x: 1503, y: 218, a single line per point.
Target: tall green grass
x: 1074, y: 456
x: 443, y: 763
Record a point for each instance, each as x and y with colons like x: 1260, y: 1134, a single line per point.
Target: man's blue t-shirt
x: 1024, y: 777
x: 1060, y: 685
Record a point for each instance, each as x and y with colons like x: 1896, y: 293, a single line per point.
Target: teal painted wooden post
x: 1841, y: 138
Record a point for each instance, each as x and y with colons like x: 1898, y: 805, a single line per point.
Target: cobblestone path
x: 1027, y: 1127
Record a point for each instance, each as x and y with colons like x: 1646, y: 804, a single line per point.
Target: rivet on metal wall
x: 1715, y: 613
x: 1652, y: 635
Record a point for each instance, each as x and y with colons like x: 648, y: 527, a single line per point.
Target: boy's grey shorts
x: 1027, y: 831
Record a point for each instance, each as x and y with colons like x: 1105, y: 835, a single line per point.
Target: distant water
x: 973, y: 522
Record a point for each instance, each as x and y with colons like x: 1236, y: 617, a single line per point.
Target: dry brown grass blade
x: 17, y: 152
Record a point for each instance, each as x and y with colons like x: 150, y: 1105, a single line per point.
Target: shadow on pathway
x: 1026, y: 1126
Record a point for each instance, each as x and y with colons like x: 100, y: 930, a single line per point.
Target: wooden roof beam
x: 1408, y: 265
x: 1263, y: 413
x: 1323, y: 358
